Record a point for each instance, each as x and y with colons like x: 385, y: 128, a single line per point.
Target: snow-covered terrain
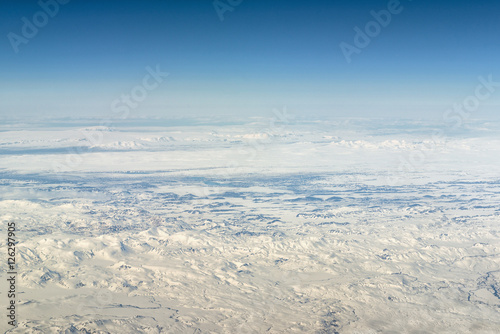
x: 339, y: 226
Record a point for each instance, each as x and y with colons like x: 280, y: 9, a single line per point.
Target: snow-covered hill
x: 331, y: 227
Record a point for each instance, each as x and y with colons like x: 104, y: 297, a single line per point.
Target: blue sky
x: 263, y: 55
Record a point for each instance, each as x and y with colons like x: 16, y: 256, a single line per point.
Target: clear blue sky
x: 264, y: 54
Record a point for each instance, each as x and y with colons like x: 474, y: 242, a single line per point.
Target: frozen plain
x: 252, y: 226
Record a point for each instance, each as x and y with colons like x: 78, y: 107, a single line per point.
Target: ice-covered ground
x: 280, y: 226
